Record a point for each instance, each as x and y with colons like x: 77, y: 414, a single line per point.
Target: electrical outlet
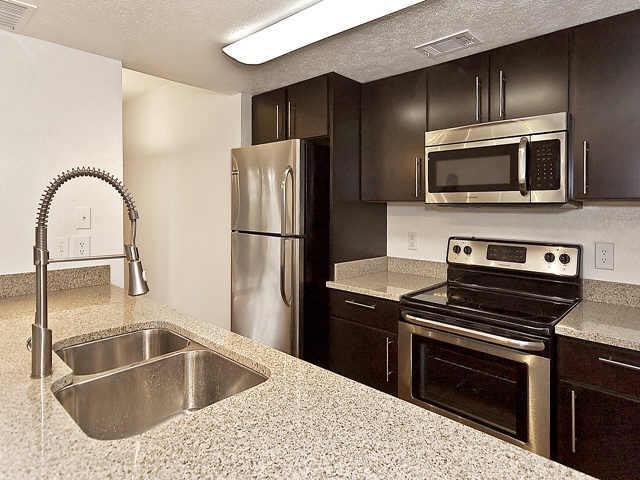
x: 83, y: 218
x: 604, y: 255
x: 81, y: 246
x: 60, y: 247
x: 412, y: 243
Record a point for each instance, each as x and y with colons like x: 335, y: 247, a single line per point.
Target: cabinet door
x: 605, y: 94
x: 363, y: 354
x: 393, y: 126
x: 307, y: 109
x: 268, y: 112
x: 458, y: 92
x: 598, y: 432
x: 530, y: 78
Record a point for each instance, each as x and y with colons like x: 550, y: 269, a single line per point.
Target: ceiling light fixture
x: 319, y: 21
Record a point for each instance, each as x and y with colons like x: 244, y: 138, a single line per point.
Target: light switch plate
x: 81, y: 246
x: 83, y: 218
x: 604, y: 256
x: 412, y: 243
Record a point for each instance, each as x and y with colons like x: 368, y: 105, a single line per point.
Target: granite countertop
x: 388, y: 285
x: 607, y: 323
x: 386, y: 277
x: 303, y: 422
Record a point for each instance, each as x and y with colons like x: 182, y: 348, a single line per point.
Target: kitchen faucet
x: 40, y: 341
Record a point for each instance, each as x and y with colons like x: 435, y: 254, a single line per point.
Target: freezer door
x: 266, y: 289
x: 264, y: 178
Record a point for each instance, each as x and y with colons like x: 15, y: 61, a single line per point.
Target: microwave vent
x: 14, y: 14
x: 448, y: 44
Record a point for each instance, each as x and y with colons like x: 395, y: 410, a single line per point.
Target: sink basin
x: 120, y: 350
x: 131, y: 400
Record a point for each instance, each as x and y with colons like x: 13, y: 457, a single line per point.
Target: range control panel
x: 562, y: 260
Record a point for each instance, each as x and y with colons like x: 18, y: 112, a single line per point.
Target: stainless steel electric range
x: 478, y: 347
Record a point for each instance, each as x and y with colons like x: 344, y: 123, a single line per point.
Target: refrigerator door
x: 264, y: 179
x: 266, y: 289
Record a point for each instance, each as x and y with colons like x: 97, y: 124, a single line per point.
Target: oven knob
x: 549, y: 257
x: 564, y: 259
x: 456, y: 249
x: 468, y: 250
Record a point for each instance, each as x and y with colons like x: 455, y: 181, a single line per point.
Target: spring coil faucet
x: 40, y: 341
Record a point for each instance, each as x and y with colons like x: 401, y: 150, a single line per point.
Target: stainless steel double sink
x: 126, y: 384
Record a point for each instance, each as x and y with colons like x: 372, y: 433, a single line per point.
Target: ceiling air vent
x: 14, y: 14
x: 448, y: 44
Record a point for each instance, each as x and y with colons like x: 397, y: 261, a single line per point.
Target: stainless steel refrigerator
x: 267, y: 246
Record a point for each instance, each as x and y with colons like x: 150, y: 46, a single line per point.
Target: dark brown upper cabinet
x: 458, y: 92
x: 307, y: 109
x: 297, y: 111
x: 268, y: 111
x: 392, y: 141
x: 605, y: 94
x: 530, y: 78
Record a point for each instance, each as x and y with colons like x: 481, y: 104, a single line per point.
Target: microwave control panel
x: 544, y: 165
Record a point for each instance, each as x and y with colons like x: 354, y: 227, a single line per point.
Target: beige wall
x: 61, y: 108
x: 177, y: 142
x: 617, y: 223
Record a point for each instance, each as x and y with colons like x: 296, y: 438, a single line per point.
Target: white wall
x: 61, y: 108
x: 177, y: 153
x: 619, y: 224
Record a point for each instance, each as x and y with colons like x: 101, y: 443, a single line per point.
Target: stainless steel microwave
x: 510, y: 161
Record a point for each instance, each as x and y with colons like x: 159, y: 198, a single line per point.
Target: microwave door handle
x: 522, y: 166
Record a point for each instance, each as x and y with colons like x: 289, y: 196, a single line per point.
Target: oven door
x: 490, y: 171
x: 496, y: 389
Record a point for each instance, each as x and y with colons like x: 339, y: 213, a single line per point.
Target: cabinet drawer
x: 600, y: 365
x: 370, y: 311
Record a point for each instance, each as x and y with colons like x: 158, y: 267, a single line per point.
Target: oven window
x: 480, y: 169
x: 489, y: 390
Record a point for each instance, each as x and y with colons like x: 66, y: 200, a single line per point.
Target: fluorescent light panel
x: 319, y: 21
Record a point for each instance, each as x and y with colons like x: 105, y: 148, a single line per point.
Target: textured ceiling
x: 181, y: 39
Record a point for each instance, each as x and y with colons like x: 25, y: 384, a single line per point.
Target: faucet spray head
x: 137, y: 279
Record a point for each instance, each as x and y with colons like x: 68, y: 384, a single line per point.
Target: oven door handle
x: 522, y: 165
x: 477, y: 335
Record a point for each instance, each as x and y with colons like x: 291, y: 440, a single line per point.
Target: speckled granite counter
x: 617, y: 325
x: 388, y: 285
x: 303, y: 422
x: 386, y: 277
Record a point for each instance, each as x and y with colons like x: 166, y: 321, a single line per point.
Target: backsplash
x: 592, y: 223
x: 16, y: 284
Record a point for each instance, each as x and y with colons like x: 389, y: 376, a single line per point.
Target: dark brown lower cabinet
x: 364, y: 354
x: 598, y: 432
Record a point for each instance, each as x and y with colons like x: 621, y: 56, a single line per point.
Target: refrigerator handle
x: 283, y: 211
x: 283, y: 231
x: 283, y: 273
x: 235, y: 174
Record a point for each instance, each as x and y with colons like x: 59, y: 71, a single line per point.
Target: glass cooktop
x: 525, y: 309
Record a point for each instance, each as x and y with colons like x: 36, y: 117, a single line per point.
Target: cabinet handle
x: 573, y: 421
x: 619, y: 364
x: 501, y: 99
x: 388, y: 340
x: 477, y: 98
x: 277, y: 122
x: 585, y: 158
x: 418, y: 177
x: 358, y: 304
x: 288, y: 118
